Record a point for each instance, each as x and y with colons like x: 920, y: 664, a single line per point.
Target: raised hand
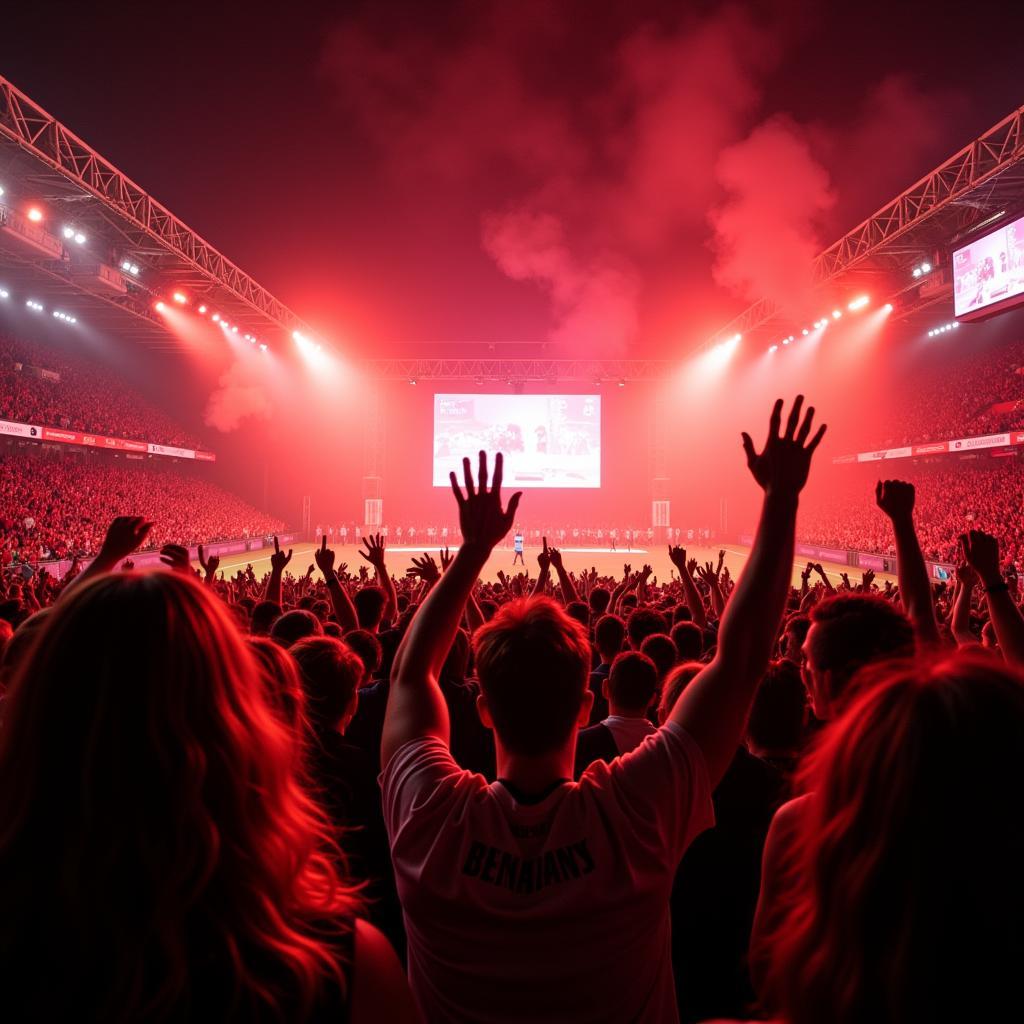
x: 544, y: 558
x: 481, y: 518
x: 555, y: 555
x: 677, y: 556
x: 374, y: 552
x: 124, y: 535
x: 278, y: 560
x: 209, y: 565
x: 691, y: 566
x: 424, y: 568
x: 645, y: 573
x: 324, y: 557
x: 981, y: 551
x: 783, y: 464
x: 895, y: 498
x: 867, y: 579
x: 446, y: 558
x: 721, y: 562
x: 175, y: 557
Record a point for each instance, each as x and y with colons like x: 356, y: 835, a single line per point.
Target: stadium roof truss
x: 982, y: 180
x: 38, y: 150
x: 519, y: 371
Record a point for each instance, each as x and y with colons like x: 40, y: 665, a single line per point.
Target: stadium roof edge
x: 46, y: 139
x: 970, y: 168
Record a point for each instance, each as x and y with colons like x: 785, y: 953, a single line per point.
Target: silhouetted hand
x: 278, y: 560
x: 424, y: 568
x: 209, y: 565
x: 982, y: 553
x: 895, y: 498
x: 127, y: 565
x: 677, y: 556
x: 544, y: 558
x: 324, y: 557
x: 175, y: 557
x: 374, y: 552
x: 446, y: 558
x: 124, y: 535
x: 481, y: 518
x: 867, y: 579
x: 555, y: 555
x: 783, y: 464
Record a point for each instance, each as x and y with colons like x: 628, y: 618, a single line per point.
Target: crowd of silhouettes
x: 397, y: 793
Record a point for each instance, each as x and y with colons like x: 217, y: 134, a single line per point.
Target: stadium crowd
x: 985, y: 494
x: 58, y: 506
x: 599, y: 799
x: 78, y: 394
x: 953, y: 396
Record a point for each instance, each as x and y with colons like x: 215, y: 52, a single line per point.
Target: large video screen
x: 988, y: 274
x: 546, y: 440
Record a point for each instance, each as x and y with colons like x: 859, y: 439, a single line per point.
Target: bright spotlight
x: 1, y: 190
x: 887, y: 308
x: 622, y: 383
x: 216, y: 318
x: 774, y: 348
x: 35, y: 214
x: 785, y: 341
x: 4, y: 293
x: 858, y: 303
x: 69, y: 232
x: 806, y: 332
x: 79, y: 238
x: 234, y: 330
x: 180, y: 298
x: 202, y: 309
x: 926, y: 268
x: 159, y: 307
x: 134, y: 270
x: 836, y: 314
x: 412, y: 381
x: 737, y: 337
x: 263, y: 348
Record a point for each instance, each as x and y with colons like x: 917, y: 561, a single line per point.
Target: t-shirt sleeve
x: 420, y: 785
x: 662, y: 788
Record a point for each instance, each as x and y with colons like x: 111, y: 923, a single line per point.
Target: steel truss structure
x: 144, y: 224
x: 985, y: 177
x: 518, y: 371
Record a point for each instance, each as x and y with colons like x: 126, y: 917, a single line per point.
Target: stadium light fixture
x: 836, y: 314
x: 35, y: 306
x: 79, y: 238
x: 263, y: 348
x: 773, y: 348
x: 69, y: 232
x: 806, y: 332
x: 859, y: 303
x: 4, y: 293
x: 159, y: 307
x: 35, y: 214
x: 887, y: 308
x: 216, y: 318
x: 785, y: 341
x: 202, y: 309
x: 1, y: 190
x: 179, y: 298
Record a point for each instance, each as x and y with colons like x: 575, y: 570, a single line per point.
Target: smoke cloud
x: 239, y: 396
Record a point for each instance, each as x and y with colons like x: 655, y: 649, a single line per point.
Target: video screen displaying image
x: 989, y: 272
x: 546, y: 440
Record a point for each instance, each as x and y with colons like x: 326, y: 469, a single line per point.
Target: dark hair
x: 632, y: 682
x: 533, y: 662
x: 599, y: 600
x: 689, y: 640
x: 855, y: 630
x: 159, y: 830
x: 580, y: 611
x: 642, y: 623
x: 370, y: 603
x: 778, y: 715
x: 263, y: 616
x: 905, y: 885
x: 294, y: 625
x: 681, y: 613
x: 662, y: 651
x: 368, y: 647
x: 330, y: 672
x: 609, y: 633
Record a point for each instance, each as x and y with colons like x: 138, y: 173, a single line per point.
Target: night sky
x: 404, y: 174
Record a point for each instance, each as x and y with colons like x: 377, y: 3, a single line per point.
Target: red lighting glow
x: 35, y: 214
x: 180, y: 299
x: 159, y: 307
